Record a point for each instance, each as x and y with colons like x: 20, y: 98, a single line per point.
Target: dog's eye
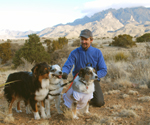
x: 89, y: 73
x: 52, y: 70
x: 45, y: 72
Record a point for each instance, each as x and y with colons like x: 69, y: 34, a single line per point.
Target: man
x: 83, y: 55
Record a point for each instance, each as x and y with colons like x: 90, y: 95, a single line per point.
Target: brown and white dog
x: 81, y: 92
x: 55, y: 88
x: 30, y: 87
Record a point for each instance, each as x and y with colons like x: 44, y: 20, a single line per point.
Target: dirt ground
x: 109, y: 114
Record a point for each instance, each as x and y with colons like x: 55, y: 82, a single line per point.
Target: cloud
x: 89, y: 8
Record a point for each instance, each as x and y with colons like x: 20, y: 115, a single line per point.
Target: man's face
x: 85, y: 42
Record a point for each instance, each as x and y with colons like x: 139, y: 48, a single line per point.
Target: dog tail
x: 8, y: 91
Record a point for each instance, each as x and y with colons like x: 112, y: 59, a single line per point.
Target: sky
x: 36, y: 15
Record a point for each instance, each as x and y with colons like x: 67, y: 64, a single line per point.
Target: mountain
x: 7, y: 34
x: 108, y: 23
x: 140, y: 14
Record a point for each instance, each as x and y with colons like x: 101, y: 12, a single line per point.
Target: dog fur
x: 55, y: 89
x: 30, y: 87
x: 78, y: 96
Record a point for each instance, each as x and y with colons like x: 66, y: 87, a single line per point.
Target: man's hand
x: 64, y: 76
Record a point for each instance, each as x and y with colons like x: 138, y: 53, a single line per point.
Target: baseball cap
x: 86, y: 33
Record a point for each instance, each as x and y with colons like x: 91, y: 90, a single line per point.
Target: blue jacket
x: 79, y: 58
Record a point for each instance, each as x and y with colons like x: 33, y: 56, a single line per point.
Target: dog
x: 30, y: 87
x: 81, y: 92
x: 55, y: 88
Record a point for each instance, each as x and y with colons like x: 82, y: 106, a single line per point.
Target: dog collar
x: 54, y: 94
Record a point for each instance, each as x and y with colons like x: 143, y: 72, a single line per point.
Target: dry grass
x: 143, y: 86
x: 125, y: 96
x: 9, y: 119
x: 131, y: 92
x: 45, y: 122
x: 116, y: 106
x: 128, y: 113
x: 137, y: 107
x: 125, y: 83
x: 107, y: 121
x: 4, y: 115
x: 116, y: 70
x: 135, y: 68
x: 27, y: 66
x: 112, y: 92
x: 144, y: 99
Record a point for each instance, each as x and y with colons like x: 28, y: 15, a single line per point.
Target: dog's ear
x: 50, y: 68
x: 94, y: 69
x: 88, y: 64
x: 34, y: 70
x: 81, y: 72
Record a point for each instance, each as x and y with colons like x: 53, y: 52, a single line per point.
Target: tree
x: 59, y: 44
x: 49, y: 45
x: 143, y: 38
x: 76, y: 43
x: 32, y: 51
x: 5, y: 51
x: 123, y: 41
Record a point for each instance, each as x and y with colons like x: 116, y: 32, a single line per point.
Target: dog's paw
x: 75, y: 117
x: 48, y: 116
x: 44, y: 116
x: 28, y: 112
x: 87, y: 112
x: 18, y: 110
x: 36, y: 116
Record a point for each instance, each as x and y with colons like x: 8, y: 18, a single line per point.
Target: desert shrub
x: 95, y: 45
x: 121, y: 56
x: 123, y: 41
x: 108, y: 57
x: 140, y: 69
x: 115, y: 71
x: 76, y: 43
x: 128, y: 113
x: 32, y: 51
x: 59, y: 44
x: 147, y: 50
x: 134, y: 54
x: 49, y: 45
x: 144, y: 38
x: 14, y: 48
x: 5, y: 51
x: 59, y: 56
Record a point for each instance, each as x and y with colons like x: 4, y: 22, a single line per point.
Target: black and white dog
x: 55, y: 88
x: 81, y: 92
x: 32, y: 87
